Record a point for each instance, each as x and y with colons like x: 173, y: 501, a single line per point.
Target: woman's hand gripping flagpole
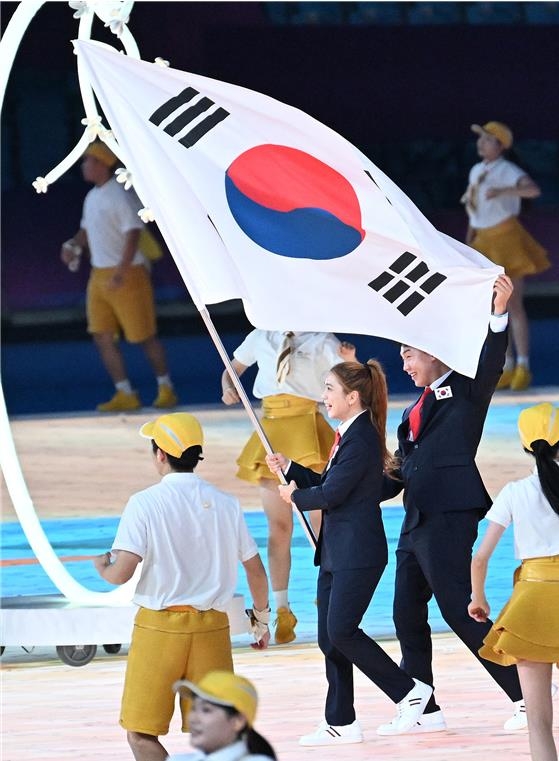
x: 251, y: 413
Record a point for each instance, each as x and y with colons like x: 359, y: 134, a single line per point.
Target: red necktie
x: 414, y: 417
x: 336, y: 443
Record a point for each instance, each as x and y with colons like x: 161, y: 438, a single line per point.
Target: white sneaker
x: 325, y: 734
x: 427, y: 722
x: 412, y: 706
x: 518, y: 720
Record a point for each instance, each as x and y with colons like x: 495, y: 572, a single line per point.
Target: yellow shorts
x: 129, y: 308
x: 168, y: 645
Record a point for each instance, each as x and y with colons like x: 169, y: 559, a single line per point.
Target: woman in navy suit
x: 351, y: 549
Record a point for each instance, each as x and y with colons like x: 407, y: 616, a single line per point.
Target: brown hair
x: 370, y: 383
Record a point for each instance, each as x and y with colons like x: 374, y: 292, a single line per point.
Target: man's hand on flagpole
x: 346, y: 351
x: 502, y: 291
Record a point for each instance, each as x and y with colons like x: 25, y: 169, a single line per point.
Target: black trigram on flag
x: 407, y: 281
x: 186, y: 114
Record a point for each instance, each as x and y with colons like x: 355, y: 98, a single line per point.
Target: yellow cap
x: 539, y: 422
x: 174, y: 433
x: 495, y: 129
x: 102, y: 153
x: 224, y: 689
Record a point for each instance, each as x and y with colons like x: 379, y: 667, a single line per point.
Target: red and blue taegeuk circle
x: 293, y: 204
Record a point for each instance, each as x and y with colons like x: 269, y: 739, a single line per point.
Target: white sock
x: 124, y: 386
x: 509, y: 364
x: 280, y: 598
x: 164, y: 380
x: 522, y: 361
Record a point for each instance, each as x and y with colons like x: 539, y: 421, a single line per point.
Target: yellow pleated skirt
x: 511, y: 245
x: 528, y: 626
x: 294, y: 427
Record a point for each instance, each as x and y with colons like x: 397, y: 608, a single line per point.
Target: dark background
x: 402, y: 81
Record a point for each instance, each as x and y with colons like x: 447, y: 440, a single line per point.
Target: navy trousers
x: 343, y: 598
x: 434, y: 558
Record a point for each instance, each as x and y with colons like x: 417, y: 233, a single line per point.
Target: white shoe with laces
x: 326, y: 734
x: 411, y: 707
x: 427, y: 722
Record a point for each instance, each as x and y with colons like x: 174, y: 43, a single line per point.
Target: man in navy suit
x: 444, y: 499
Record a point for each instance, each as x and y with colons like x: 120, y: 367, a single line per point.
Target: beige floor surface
x: 88, y: 465
x: 52, y: 711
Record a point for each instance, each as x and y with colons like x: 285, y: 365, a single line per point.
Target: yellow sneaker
x: 285, y: 626
x: 521, y: 379
x: 121, y: 402
x: 505, y: 379
x: 165, y: 398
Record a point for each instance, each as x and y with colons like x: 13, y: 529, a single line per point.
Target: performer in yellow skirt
x: 492, y: 200
x: 526, y: 632
x: 290, y: 381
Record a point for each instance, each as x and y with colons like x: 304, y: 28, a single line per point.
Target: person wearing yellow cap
x: 526, y: 632
x: 221, y: 719
x: 492, y: 200
x: 187, y: 537
x: 119, y: 292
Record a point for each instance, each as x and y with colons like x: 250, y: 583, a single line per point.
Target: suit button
x: 415, y: 468
x: 416, y: 446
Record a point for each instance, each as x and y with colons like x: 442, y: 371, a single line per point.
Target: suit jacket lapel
x: 362, y: 419
x: 430, y: 405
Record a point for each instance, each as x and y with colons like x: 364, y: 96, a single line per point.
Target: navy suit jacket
x: 438, y: 470
x: 348, y: 493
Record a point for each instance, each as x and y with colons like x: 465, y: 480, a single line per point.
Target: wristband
x: 257, y: 626
x: 262, y: 616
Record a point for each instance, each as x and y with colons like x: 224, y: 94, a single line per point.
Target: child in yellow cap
x: 222, y: 712
x: 526, y: 632
x: 187, y: 537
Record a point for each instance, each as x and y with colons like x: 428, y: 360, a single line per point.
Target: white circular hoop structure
x: 114, y: 15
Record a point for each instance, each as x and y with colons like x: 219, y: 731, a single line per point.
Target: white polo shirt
x: 109, y: 212
x: 191, y: 537
x: 497, y: 174
x: 535, y: 523
x: 312, y: 357
x: 235, y: 752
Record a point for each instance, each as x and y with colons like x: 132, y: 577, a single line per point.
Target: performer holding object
x: 291, y: 371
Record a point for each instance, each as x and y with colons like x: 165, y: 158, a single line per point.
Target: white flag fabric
x: 259, y: 201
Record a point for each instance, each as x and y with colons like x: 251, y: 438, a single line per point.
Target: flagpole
x: 251, y: 413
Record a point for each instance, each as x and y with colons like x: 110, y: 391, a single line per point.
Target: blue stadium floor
x: 93, y: 536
